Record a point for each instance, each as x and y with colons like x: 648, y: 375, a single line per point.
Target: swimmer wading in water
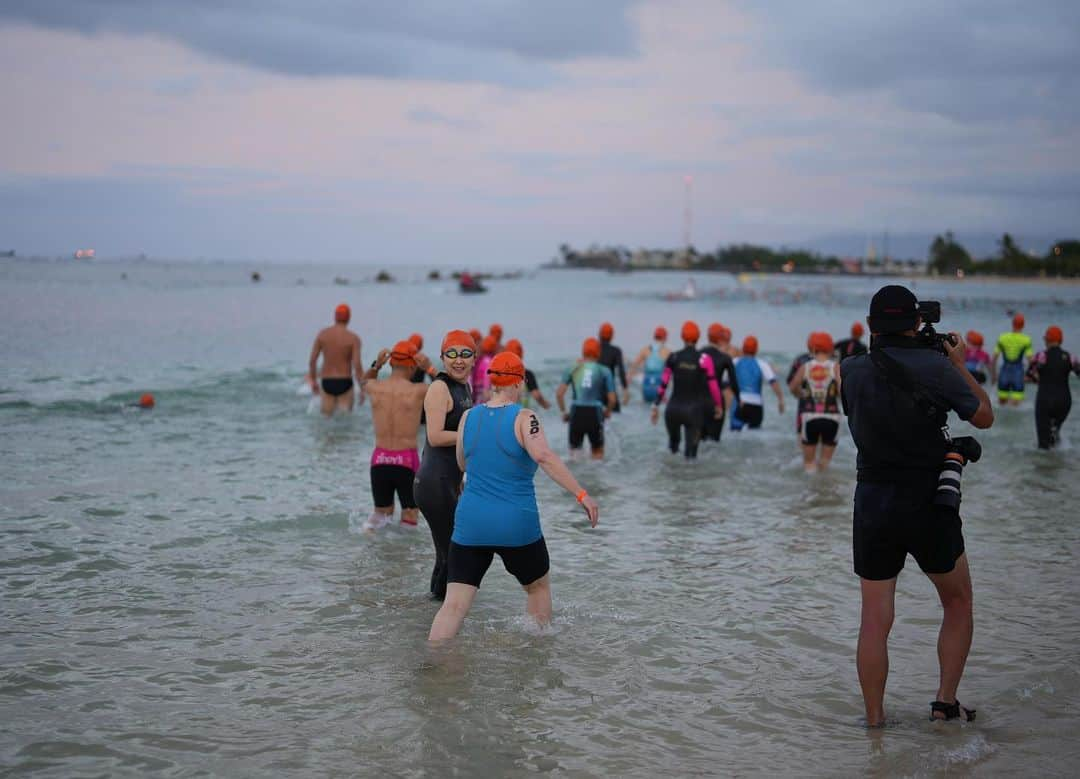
x: 500, y: 446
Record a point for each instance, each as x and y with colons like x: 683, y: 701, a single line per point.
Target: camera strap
x: 899, y: 376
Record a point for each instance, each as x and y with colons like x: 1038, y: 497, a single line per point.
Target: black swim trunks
x: 335, y: 387
x: 750, y: 414
x: 468, y: 564
x: 894, y: 520
x: 388, y: 479
x: 586, y: 421
x: 821, y: 431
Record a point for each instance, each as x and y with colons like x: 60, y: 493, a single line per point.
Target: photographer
x: 897, y: 398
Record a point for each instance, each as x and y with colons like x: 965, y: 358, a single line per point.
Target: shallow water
x: 185, y: 592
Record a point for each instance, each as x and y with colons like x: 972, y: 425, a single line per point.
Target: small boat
x: 469, y: 285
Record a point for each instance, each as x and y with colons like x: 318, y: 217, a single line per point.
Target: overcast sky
x: 493, y: 130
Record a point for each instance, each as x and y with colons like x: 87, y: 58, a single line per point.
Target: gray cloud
x: 967, y: 59
x: 510, y: 42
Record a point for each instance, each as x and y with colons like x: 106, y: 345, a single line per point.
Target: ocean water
x: 184, y: 591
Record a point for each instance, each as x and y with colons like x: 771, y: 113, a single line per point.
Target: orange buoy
x: 146, y: 401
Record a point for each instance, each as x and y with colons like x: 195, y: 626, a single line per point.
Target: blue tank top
x: 654, y: 363
x: 498, y: 506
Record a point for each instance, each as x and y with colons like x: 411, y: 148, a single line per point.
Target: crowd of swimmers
x: 706, y: 387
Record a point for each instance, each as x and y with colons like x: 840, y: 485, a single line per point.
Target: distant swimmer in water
x: 438, y: 481
x: 612, y: 359
x: 396, y: 403
x: 817, y: 386
x: 500, y: 447
x: 849, y: 347
x: 692, y: 377
x: 713, y: 426
x: 340, y: 350
x: 1051, y: 369
x: 1012, y: 347
x: 532, y: 389
x: 481, y: 383
x: 650, y: 363
x: 593, y: 398
x: 976, y: 360
x: 753, y: 373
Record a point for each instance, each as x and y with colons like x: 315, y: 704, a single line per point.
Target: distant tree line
x: 735, y: 258
x: 949, y: 257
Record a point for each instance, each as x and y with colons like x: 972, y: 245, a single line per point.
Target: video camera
x: 930, y: 314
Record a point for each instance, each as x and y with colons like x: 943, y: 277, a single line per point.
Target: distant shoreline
x: 1071, y: 281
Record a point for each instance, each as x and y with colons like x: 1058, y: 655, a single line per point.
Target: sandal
x: 951, y: 711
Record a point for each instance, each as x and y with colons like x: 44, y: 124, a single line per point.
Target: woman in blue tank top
x: 500, y: 447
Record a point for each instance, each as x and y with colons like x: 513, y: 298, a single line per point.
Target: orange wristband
x: 581, y: 496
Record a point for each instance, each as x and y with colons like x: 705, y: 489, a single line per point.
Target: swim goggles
x: 453, y: 354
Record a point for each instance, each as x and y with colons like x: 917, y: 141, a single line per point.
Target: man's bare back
x: 396, y: 403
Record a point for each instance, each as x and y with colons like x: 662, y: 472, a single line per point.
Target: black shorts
x: 335, y: 387
x: 894, y: 520
x: 823, y: 431
x: 388, y: 479
x: 468, y: 564
x: 586, y: 421
x: 750, y: 414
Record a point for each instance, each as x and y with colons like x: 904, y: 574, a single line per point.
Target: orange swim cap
x: 514, y: 346
x: 489, y: 344
x: 726, y: 332
x: 403, y: 353
x: 1018, y: 320
x: 857, y: 330
x: 716, y: 331
x: 974, y: 338
x: 458, y: 338
x: 691, y: 332
x: 342, y: 314
x: 147, y: 400
x: 607, y: 331
x: 590, y: 349
x: 477, y: 337
x: 417, y: 341
x: 497, y: 331
x: 660, y: 333
x: 1054, y: 334
x: 750, y: 345
x: 506, y: 370
x: 819, y: 342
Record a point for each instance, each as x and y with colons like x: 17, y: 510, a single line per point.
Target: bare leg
x: 538, y: 604
x: 598, y: 454
x: 409, y: 517
x: 872, y: 658
x: 826, y: 456
x: 327, y: 402
x: 459, y: 599
x: 957, y: 626
x: 380, y: 517
x: 809, y: 452
x: 345, y: 402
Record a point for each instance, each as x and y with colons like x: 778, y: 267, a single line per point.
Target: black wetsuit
x: 724, y: 365
x: 438, y: 482
x: 611, y: 356
x: 689, y: 398
x: 805, y: 357
x: 847, y: 347
x: 1053, y: 400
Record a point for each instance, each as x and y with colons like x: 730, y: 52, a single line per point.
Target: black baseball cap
x: 893, y: 309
